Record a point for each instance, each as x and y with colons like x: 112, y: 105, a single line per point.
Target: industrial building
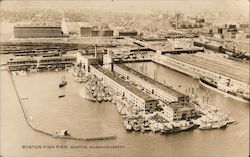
x: 178, y: 111
x: 38, y: 31
x: 128, y: 33
x: 134, y: 96
x: 45, y: 63
x: 95, y: 31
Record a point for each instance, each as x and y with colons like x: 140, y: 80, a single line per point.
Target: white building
x: 133, y: 95
x: 178, y: 111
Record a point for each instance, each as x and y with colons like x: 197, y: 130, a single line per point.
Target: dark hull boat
x: 63, y: 83
x: 61, y: 96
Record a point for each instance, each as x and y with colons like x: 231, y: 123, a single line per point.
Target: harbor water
x: 83, y: 118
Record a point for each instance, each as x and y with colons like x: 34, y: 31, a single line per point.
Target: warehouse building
x: 95, y: 31
x: 134, y: 96
x: 178, y: 111
x: 38, y: 31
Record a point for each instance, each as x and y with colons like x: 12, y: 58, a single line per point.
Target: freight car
x: 210, y: 46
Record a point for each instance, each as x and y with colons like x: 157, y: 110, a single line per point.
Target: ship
x: 219, y: 87
x: 63, y: 83
x: 214, y: 125
x: 208, y: 82
x: 176, y: 129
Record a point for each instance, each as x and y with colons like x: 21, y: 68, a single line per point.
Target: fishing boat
x: 213, y: 125
x: 188, y: 126
x: 63, y: 83
x: 105, y: 98
x: 127, y: 124
x: 95, y: 94
x: 109, y: 98
x: 165, y: 130
x: 136, y: 126
x: 99, y: 98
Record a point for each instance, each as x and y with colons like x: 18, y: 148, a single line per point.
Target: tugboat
x: 63, y: 83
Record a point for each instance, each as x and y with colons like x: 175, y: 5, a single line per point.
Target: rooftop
x: 40, y: 24
x: 180, y: 106
x: 153, y: 82
x: 128, y: 86
x: 222, y: 66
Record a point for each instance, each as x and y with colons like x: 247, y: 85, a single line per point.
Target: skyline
x: 138, y: 6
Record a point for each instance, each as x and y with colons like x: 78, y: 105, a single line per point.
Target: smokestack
x: 95, y: 51
x: 176, y: 24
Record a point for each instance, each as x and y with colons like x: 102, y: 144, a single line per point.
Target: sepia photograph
x: 124, y: 78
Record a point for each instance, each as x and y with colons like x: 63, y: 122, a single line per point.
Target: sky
x: 241, y: 6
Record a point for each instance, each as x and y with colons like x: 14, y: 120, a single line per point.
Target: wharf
x: 40, y: 62
x: 133, y: 60
x: 166, y: 88
x: 125, y: 84
x: 179, y: 51
x: 223, y: 67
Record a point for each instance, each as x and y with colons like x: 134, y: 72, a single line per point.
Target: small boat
x: 63, y: 83
x: 61, y: 96
x: 62, y: 133
x: 136, y: 126
x: 165, y: 130
x: 109, y: 98
x: 127, y: 124
x: 143, y: 129
x: 174, y: 130
x: 24, y: 98
x: 99, y: 98
x: 105, y: 98
x: 188, y: 126
x: 95, y: 94
x: 217, y: 125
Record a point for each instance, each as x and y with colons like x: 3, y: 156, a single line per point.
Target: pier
x: 202, y: 65
x: 28, y: 63
x: 158, y: 90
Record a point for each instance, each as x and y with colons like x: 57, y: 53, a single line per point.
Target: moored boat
x: 61, y: 96
x: 127, y: 124
x: 63, y: 83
